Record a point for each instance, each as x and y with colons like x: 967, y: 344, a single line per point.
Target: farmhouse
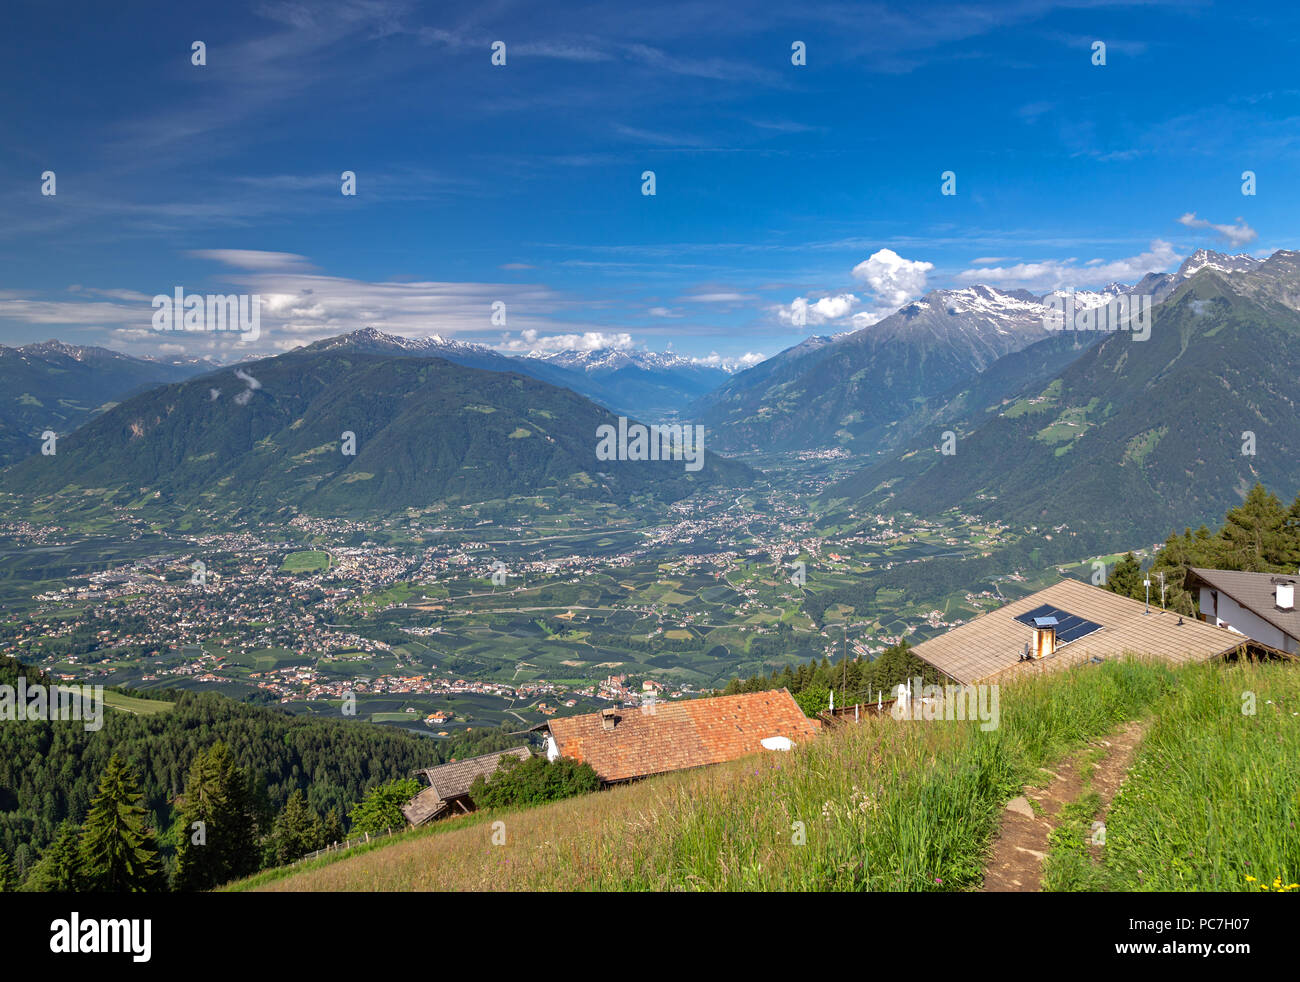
x: 1258, y: 605
x: 448, y: 790
x: 1071, y: 622
x: 625, y: 744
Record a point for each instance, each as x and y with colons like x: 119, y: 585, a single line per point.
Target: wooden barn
x: 448, y: 790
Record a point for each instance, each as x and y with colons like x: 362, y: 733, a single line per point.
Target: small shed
x: 448, y: 790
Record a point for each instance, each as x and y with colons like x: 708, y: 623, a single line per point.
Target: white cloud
x: 748, y: 360
x: 532, y: 341
x: 866, y: 318
x: 1052, y: 274
x: 893, y: 279
x: 299, y: 307
x: 833, y: 308
x: 1236, y: 235
x: 819, y: 311
x: 255, y: 260
x: 727, y: 297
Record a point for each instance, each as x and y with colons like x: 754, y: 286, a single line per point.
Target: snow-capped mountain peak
x: 1209, y: 259
x: 373, y: 339
x: 604, y: 360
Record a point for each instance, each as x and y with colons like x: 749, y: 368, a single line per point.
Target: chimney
x: 1285, y: 594
x: 1044, y: 637
x: 608, y: 718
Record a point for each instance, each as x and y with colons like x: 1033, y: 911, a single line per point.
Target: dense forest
x: 297, y: 778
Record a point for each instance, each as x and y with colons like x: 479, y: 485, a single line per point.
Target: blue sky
x: 522, y: 183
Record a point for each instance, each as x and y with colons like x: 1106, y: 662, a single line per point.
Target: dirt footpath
x: 1016, y: 862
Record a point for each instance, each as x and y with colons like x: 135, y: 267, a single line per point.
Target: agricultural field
x: 305, y: 562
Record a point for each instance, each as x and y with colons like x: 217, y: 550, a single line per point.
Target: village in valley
x: 440, y: 628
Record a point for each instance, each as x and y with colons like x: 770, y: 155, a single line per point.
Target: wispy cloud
x: 1235, y: 235
x: 1051, y: 274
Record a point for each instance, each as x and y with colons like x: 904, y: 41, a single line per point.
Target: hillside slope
x: 1133, y: 437
x: 912, y: 806
x: 840, y: 392
x: 266, y: 438
x: 55, y: 386
x: 879, y: 806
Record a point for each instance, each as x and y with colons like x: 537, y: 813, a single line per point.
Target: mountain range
x: 867, y: 390
x: 642, y: 384
x: 1133, y: 437
x: 847, y: 391
x: 57, y: 386
x: 267, y: 438
x: 1045, y: 420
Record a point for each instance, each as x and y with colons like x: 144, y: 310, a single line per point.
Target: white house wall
x: 1233, y: 616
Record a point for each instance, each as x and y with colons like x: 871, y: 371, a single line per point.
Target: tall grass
x: 883, y: 805
x: 1212, y: 801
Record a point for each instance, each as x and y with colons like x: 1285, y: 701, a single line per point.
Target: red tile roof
x: 677, y: 735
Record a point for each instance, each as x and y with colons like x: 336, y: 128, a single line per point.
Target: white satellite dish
x: 777, y: 743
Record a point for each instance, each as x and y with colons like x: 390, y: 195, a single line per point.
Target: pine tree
x: 800, y: 679
x: 1253, y: 536
x: 118, y: 853
x: 8, y: 877
x: 59, y: 868
x: 22, y: 860
x: 787, y: 680
x: 297, y: 831
x: 1126, y: 578
x: 332, y: 828
x: 217, y: 830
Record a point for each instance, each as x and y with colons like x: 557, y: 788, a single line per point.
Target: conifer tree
x: 118, y: 852
x: 331, y: 828
x: 787, y: 680
x: 218, y: 833
x: 1126, y: 578
x: 297, y: 831
x: 8, y: 877
x: 59, y: 868
x: 1253, y: 536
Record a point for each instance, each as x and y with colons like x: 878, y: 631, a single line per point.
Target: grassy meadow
x: 897, y: 806
x: 1212, y: 801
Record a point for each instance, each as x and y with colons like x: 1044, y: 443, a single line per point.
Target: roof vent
x: 1285, y: 594
x: 608, y: 718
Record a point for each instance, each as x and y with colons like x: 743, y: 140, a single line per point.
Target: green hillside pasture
x: 1212, y: 801
x: 878, y: 806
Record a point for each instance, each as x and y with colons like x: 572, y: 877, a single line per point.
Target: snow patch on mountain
x: 1209, y: 259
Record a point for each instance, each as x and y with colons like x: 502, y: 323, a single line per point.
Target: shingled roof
x: 678, y: 735
x: 1255, y: 592
x: 448, y: 782
x: 990, y: 646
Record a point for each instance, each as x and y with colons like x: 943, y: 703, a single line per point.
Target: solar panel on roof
x: 1069, y: 627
